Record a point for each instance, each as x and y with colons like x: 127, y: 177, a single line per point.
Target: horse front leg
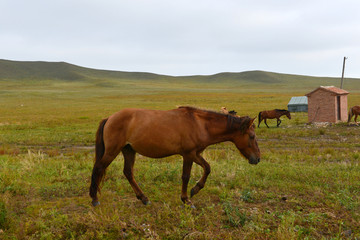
x: 129, y: 158
x: 356, y: 118
x: 201, y: 183
x: 278, y: 122
x: 187, y: 165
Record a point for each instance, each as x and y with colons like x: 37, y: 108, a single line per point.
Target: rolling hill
x: 19, y: 70
x: 62, y: 71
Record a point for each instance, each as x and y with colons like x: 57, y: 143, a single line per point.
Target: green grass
x: 305, y: 187
x: 286, y: 198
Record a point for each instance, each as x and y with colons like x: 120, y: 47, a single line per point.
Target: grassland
x: 307, y: 185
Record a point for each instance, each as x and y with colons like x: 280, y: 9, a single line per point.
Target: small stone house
x: 327, y: 104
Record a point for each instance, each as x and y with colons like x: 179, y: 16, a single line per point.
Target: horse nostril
x: 254, y: 160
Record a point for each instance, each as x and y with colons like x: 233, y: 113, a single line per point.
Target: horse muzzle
x: 254, y: 160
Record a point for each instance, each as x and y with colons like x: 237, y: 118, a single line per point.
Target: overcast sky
x: 186, y: 37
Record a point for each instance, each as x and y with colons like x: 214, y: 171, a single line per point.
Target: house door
x: 338, y: 107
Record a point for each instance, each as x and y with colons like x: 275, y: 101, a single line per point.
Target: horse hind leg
x: 129, y: 160
x: 266, y: 123
x: 98, y: 174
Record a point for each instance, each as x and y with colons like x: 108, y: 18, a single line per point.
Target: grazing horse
x: 186, y: 131
x: 354, y: 111
x: 225, y: 111
x: 276, y: 113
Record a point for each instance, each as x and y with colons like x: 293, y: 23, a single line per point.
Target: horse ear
x: 251, y: 122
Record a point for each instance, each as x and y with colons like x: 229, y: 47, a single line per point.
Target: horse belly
x: 156, y: 146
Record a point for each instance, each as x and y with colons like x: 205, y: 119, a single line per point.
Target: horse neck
x: 281, y: 113
x: 218, y: 130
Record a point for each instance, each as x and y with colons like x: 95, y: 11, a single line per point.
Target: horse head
x: 246, y: 141
x: 288, y: 115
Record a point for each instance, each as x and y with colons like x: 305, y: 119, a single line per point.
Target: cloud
x: 186, y: 37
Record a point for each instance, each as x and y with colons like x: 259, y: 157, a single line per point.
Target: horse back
x: 276, y: 113
x: 154, y: 133
x: 267, y: 114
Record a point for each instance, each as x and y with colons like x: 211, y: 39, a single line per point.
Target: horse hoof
x: 95, y: 203
x: 145, y: 201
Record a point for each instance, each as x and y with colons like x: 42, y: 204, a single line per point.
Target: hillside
x: 62, y: 71
x: 18, y: 70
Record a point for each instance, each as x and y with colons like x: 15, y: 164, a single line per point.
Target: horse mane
x: 238, y: 123
x: 195, y: 109
x: 281, y: 110
x: 233, y: 122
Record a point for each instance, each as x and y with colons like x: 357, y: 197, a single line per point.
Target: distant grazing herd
x: 263, y: 115
x: 277, y: 113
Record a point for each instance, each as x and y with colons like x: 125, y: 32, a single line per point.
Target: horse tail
x: 99, y: 153
x: 259, y: 119
x: 350, y: 114
x: 99, y: 143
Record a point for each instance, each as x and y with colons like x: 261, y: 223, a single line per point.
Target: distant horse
x: 276, y: 113
x: 225, y: 111
x: 354, y: 111
x: 186, y: 131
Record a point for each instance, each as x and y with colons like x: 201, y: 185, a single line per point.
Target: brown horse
x: 225, y: 111
x: 354, y: 111
x: 276, y: 113
x: 186, y: 131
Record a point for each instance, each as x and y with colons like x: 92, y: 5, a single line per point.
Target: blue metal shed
x: 298, y: 104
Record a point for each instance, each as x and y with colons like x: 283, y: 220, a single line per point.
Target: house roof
x: 331, y: 89
x: 298, y: 101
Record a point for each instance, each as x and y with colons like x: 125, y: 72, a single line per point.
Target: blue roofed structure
x: 298, y: 104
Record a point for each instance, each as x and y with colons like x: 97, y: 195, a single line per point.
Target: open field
x: 307, y: 185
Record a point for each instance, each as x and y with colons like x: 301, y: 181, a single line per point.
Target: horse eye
x: 252, y: 136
